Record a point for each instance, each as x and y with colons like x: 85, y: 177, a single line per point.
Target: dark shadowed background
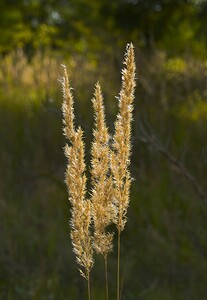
x: 164, y: 245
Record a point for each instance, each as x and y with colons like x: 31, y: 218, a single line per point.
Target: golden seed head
x: 102, y: 210
x: 110, y: 176
x: 121, y: 147
x: 76, y: 183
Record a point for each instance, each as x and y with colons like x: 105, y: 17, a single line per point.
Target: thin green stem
x: 106, y: 276
x: 118, y: 265
x: 89, y: 287
x: 122, y: 281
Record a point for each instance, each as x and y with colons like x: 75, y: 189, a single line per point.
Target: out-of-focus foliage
x: 87, y: 25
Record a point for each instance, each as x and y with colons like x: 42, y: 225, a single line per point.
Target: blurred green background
x: 164, y: 245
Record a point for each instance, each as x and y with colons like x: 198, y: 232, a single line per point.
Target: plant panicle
x: 75, y: 179
x: 110, y: 175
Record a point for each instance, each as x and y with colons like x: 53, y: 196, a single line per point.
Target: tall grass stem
x: 118, y: 265
x: 106, y: 276
x: 89, y: 286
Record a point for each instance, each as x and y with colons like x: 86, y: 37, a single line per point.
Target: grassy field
x: 164, y: 246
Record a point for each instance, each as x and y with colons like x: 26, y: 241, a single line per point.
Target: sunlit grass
x: 167, y: 219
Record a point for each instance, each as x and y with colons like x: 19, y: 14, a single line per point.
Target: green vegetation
x: 164, y: 246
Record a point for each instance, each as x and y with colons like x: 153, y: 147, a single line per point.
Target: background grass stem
x: 106, y: 276
x: 89, y: 286
x: 118, y: 265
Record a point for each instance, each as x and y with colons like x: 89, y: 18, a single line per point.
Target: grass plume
x: 103, y: 210
x: 76, y: 182
x: 110, y: 176
x: 121, y: 148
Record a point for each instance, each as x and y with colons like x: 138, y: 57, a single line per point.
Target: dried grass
x: 110, y: 176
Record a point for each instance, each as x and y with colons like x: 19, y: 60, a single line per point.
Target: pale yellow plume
x: 121, y: 147
x: 76, y: 182
x: 103, y: 211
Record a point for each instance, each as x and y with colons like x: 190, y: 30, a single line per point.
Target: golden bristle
x: 101, y: 180
x: 76, y: 182
x: 121, y: 147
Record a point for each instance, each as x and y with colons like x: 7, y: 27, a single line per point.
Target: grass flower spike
x: 121, y: 148
x: 76, y: 183
x: 103, y: 209
x: 110, y: 175
x: 101, y: 180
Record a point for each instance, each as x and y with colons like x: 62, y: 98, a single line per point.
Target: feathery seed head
x: 102, y: 209
x: 110, y: 176
x: 120, y: 155
x: 67, y: 107
x: 76, y: 183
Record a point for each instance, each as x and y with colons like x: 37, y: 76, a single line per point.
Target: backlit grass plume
x: 121, y: 147
x: 102, y: 205
x: 76, y: 183
x: 110, y: 175
x: 103, y: 210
